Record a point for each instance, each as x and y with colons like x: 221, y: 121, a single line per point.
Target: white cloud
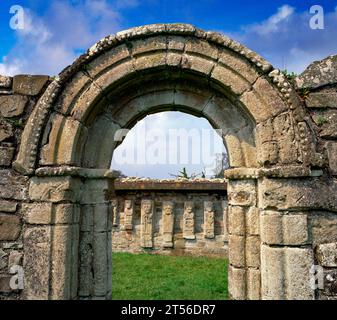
x: 287, y: 41
x: 49, y: 43
x: 272, y: 23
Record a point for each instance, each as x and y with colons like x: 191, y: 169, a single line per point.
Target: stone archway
x: 68, y: 143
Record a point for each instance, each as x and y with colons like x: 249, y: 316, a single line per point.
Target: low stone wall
x: 186, y: 217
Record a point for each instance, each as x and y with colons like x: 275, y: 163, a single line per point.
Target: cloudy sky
x: 57, y: 31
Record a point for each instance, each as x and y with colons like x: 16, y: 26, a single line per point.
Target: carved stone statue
x: 168, y: 224
x: 208, y: 220
x: 114, y: 206
x: 188, y: 221
x: 147, y: 209
x: 128, y: 214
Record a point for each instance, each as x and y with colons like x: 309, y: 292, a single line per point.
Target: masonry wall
x: 18, y: 96
x: 318, y: 88
x: 178, y: 193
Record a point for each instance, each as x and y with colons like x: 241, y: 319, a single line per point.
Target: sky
x: 57, y: 31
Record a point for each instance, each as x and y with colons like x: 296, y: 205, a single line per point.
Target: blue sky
x: 57, y: 31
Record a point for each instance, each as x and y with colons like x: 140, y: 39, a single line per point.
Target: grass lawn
x: 155, y: 277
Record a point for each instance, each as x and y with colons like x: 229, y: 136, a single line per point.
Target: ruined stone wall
x: 18, y: 97
x: 208, y: 235
x: 56, y: 216
x: 318, y: 88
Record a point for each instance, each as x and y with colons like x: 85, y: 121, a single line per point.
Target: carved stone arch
x: 68, y: 142
x: 224, y: 65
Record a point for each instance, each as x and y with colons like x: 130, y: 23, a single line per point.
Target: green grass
x: 155, y: 277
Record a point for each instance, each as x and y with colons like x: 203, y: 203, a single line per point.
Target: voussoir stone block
x: 10, y: 227
x: 65, y: 148
x: 12, y: 105
x: 263, y: 102
x: 29, y: 85
x: 327, y: 254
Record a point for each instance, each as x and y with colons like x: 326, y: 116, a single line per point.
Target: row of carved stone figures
x: 147, y: 210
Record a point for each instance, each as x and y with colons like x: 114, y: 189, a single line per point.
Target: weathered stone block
x: 253, y: 284
x: 3, y: 260
x: 295, y: 229
x: 48, y: 213
x: 37, y: 246
x: 55, y: 189
x: 271, y: 227
x: 319, y: 73
x: 8, y: 206
x: 272, y: 273
x: 6, y: 130
x: 298, y: 264
x: 242, y: 67
x: 331, y: 148
x: 253, y: 244
x: 237, y: 220
x: 263, y: 106
x: 237, y: 251
x: 10, y: 227
x: 286, y: 273
x: 15, y: 258
x: 253, y: 221
x: 228, y: 78
x: 322, y: 100
x: 277, y: 228
x: 6, y: 156
x: 29, y: 85
x: 12, y: 106
x: 12, y: 185
x: 242, y: 193
x: 5, y: 284
x: 61, y: 262
x: 327, y: 123
x: 327, y: 254
x: 148, y: 45
x: 237, y: 285
x: 64, y: 142
x: 6, y: 82
x: 311, y: 193
x: 323, y: 226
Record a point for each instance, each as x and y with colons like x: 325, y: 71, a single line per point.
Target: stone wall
x: 317, y: 86
x: 56, y: 142
x: 208, y: 236
x: 18, y: 96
